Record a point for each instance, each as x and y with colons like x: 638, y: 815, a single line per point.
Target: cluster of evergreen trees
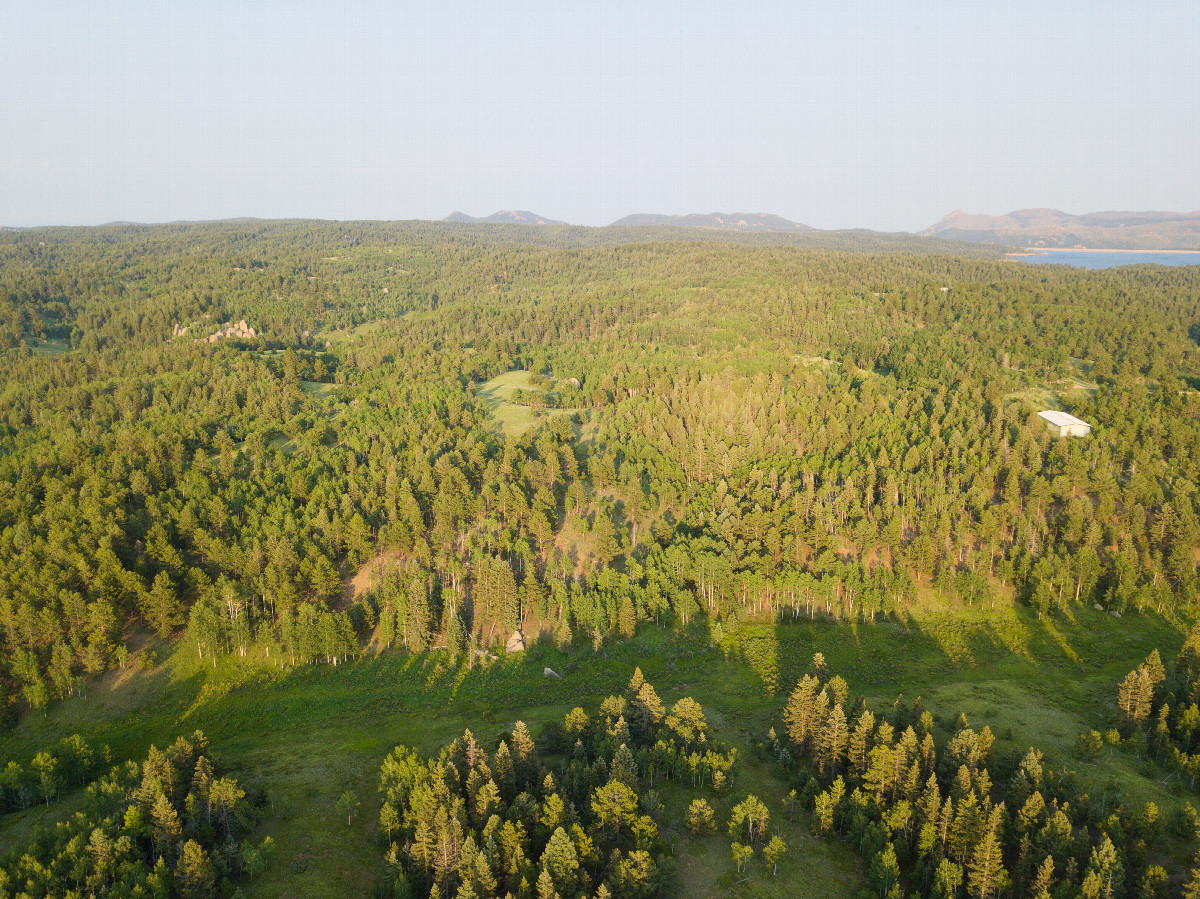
x: 935, y: 823
x: 170, y: 826
x: 68, y: 765
x: 1160, y: 704
x: 575, y: 817
x: 763, y: 431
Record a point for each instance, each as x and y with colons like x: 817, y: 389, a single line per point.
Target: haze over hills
x: 504, y: 217
x: 716, y: 221
x: 719, y: 221
x: 1052, y: 228
x: 1035, y: 228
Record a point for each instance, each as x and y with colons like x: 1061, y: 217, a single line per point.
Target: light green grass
x: 1051, y: 395
x: 1037, y: 398
x: 308, y: 734
x: 514, y: 419
x: 812, y: 868
x: 318, y: 390
x: 817, y: 361
x: 55, y: 346
x: 349, y: 335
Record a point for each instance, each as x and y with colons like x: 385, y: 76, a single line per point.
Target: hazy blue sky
x: 838, y: 114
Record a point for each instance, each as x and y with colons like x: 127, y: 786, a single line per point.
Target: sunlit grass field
x: 513, y: 419
x: 309, y: 734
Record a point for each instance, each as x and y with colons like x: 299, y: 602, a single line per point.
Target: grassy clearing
x: 1037, y: 398
x: 1039, y: 395
x: 514, y: 419
x: 811, y: 868
x: 318, y: 390
x: 55, y: 346
x: 1035, y: 683
x: 1050, y: 396
x: 309, y: 734
x: 817, y: 361
x: 349, y: 335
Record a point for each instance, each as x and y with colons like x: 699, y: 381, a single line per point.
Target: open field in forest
x: 54, y: 346
x: 318, y: 389
x: 309, y: 734
x: 1050, y: 396
x: 514, y: 419
x: 347, y: 335
x: 818, y: 361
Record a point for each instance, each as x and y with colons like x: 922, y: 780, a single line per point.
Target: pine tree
x: 1031, y: 812
x: 562, y: 634
x: 635, y: 684
x: 545, y: 886
x: 167, y: 828
x: 1043, y: 881
x: 646, y: 710
x: 964, y: 830
x: 1105, y: 862
x: 194, y: 875
x: 534, y: 596
x: 859, y: 743
x: 418, y: 625
x: 524, y: 753
x: 800, y: 712
x: 626, y: 616
x: 456, y: 637
x: 1189, y: 655
x: 387, y: 625
x: 1135, y: 695
x: 985, y: 872
x: 1156, y: 673
x: 614, y: 806
x: 1191, y: 889
x: 624, y: 768
x: 424, y: 845
x: 448, y: 841
x: 160, y: 607
x: 561, y: 861
x: 833, y: 739
x: 505, y: 772
x: 929, y: 808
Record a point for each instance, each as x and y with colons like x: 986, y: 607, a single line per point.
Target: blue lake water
x: 1108, y: 258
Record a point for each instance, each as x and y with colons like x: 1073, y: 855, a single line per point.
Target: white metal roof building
x: 1065, y: 425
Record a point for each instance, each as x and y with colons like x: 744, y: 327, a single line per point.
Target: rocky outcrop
x: 239, y: 331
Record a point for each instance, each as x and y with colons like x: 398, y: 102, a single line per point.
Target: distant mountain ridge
x: 718, y: 221
x: 1052, y: 228
x: 504, y: 217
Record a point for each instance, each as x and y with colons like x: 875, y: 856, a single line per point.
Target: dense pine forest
x: 302, y: 449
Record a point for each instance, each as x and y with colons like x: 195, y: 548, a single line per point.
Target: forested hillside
x: 714, y: 431
x: 326, y: 489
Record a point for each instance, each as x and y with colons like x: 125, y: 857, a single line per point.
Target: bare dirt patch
x: 368, y: 576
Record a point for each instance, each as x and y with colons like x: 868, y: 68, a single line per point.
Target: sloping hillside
x: 1096, y: 230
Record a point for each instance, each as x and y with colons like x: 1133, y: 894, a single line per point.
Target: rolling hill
x: 504, y: 217
x: 1052, y: 228
x: 717, y: 221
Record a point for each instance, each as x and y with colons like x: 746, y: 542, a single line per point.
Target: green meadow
x: 513, y: 419
x: 308, y: 734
